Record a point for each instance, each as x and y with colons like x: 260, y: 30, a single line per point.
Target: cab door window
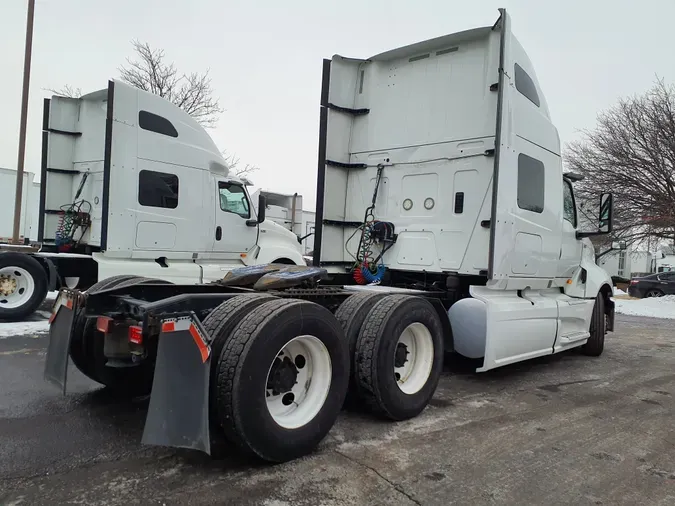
x: 570, y: 208
x: 233, y: 199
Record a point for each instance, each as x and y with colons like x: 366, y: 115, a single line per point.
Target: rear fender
x: 272, y: 247
x: 178, y: 414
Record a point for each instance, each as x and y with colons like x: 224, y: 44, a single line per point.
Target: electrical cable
x: 71, y: 218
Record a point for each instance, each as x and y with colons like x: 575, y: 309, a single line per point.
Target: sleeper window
x: 525, y: 85
x: 157, y: 189
x: 158, y: 124
x: 531, y: 176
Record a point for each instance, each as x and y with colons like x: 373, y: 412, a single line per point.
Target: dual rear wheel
x: 281, y: 368
x: 396, y: 348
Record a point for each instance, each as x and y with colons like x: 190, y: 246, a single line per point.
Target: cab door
x: 236, y: 229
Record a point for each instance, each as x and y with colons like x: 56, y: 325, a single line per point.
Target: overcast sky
x: 265, y: 59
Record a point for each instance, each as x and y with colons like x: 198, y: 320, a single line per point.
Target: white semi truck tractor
x: 444, y: 223
x: 132, y: 185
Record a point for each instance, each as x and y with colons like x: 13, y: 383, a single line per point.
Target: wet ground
x: 564, y: 430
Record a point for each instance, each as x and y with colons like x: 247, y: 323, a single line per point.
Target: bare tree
x: 235, y: 166
x: 67, y: 91
x: 191, y: 92
x: 150, y: 72
x: 631, y: 153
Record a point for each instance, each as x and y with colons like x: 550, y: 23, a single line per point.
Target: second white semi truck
x: 131, y: 184
x: 444, y: 223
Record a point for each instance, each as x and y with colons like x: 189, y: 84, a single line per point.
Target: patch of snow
x: 23, y: 328
x: 619, y: 291
x: 655, y: 307
x: 478, y: 403
x: 55, y: 293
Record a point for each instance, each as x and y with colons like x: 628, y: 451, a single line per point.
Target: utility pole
x: 24, y: 118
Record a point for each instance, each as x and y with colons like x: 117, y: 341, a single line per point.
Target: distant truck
x: 288, y: 211
x: 444, y: 223
x: 132, y: 185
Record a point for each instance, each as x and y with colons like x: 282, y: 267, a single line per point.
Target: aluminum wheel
x: 413, y: 358
x: 654, y: 293
x: 16, y: 287
x: 298, y: 382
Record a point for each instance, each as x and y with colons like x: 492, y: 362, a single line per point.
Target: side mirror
x: 606, y: 213
x: 605, y: 217
x: 262, y: 208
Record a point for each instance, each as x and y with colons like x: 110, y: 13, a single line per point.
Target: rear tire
x: 219, y: 324
x: 654, y: 292
x: 23, y: 285
x: 109, y: 283
x: 86, y: 348
x: 399, y: 356
x: 596, y: 343
x: 81, y: 357
x: 351, y: 314
x: 253, y: 381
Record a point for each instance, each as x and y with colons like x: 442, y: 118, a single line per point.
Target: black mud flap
x: 60, y: 332
x: 178, y: 414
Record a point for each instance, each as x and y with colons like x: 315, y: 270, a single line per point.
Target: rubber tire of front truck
x: 39, y: 275
x: 243, y: 367
x: 376, y: 348
x: 596, y: 343
x: 351, y: 314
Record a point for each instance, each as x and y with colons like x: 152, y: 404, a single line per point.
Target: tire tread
x: 375, y: 337
x: 368, y: 341
x: 351, y: 313
x: 219, y: 325
x: 229, y: 364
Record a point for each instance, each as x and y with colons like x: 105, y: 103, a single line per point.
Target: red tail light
x: 136, y: 334
x: 633, y: 281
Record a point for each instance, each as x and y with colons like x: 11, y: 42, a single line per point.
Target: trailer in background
x: 132, y: 185
x: 29, y: 208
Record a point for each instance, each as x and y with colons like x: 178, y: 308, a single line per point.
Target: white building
x: 627, y: 264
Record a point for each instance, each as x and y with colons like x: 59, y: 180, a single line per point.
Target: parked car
x: 653, y: 285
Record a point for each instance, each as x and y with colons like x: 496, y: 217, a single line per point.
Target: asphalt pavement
x: 567, y: 429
